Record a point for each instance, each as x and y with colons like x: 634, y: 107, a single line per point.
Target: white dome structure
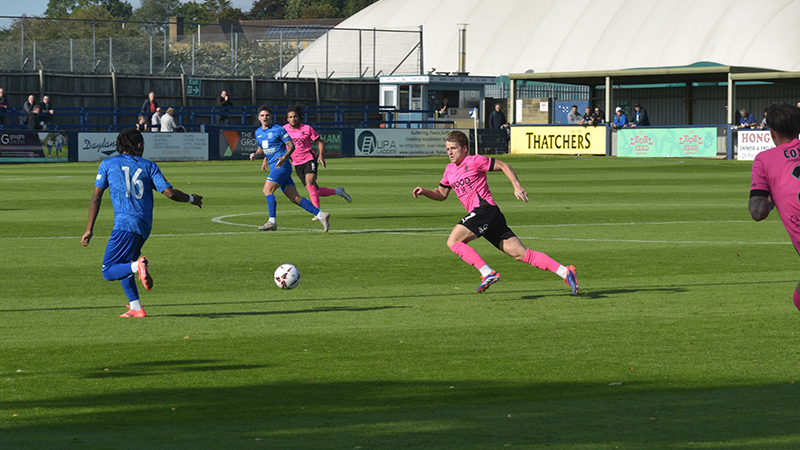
x: 515, y: 36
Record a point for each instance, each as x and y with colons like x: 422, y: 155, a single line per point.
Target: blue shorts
x: 123, y: 247
x: 283, y: 176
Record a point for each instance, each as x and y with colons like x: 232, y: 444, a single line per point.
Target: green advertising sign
x: 193, y: 87
x: 667, y: 142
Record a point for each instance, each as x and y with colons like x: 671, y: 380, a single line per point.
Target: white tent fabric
x: 514, y: 36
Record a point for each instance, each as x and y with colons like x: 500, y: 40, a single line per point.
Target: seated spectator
x: 640, y: 118
x: 155, y: 120
x: 599, y: 116
x: 763, y: 124
x: 746, y: 120
x: 620, y: 120
x: 141, y: 125
x: 573, y: 117
x: 33, y: 119
x: 587, y: 117
x: 167, y: 122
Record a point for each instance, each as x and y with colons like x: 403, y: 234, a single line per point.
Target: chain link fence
x: 236, y: 48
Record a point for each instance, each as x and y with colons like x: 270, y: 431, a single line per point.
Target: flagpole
x: 474, y: 114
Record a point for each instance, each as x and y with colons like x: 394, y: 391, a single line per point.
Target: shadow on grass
x: 394, y: 414
x: 159, y: 368
x: 299, y: 311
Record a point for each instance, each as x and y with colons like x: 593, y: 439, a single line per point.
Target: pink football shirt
x: 777, y: 171
x: 469, y: 180
x: 302, y: 138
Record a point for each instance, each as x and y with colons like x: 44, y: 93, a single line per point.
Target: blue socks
x: 308, y: 206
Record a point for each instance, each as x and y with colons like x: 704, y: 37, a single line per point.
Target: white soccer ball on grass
x: 287, y: 276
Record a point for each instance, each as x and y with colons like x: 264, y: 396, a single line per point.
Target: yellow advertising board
x: 558, y: 140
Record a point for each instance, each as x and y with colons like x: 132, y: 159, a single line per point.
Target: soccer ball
x: 287, y: 276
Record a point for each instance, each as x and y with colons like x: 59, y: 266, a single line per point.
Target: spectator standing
x: 573, y: 117
x: 27, y: 107
x: 167, y: 122
x: 443, y: 109
x: 620, y: 120
x: 587, y: 117
x: 33, y: 119
x: 640, y: 118
x: 746, y: 120
x: 155, y: 121
x: 149, y: 106
x: 46, y: 111
x: 497, y: 119
x: 3, y: 107
x: 223, y: 101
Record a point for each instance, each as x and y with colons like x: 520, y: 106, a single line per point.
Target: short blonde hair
x: 170, y: 111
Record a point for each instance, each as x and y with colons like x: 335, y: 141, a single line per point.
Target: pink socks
x: 468, y: 254
x: 796, y: 298
x: 541, y: 261
x: 315, y: 192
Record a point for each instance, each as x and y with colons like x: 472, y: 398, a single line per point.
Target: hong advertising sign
x: 667, y: 142
x: 157, y: 146
x: 563, y: 140
x: 402, y: 142
x: 33, y: 147
x: 751, y: 143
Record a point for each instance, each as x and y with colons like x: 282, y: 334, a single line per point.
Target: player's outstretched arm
x: 519, y: 191
x: 438, y: 194
x: 760, y: 207
x: 180, y: 196
x: 321, y: 158
x: 94, y: 208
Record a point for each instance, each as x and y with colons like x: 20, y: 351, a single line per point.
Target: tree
x: 267, y: 10
x: 156, y: 13
x: 63, y: 9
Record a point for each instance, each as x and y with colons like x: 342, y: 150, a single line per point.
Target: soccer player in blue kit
x: 276, y: 146
x: 131, y: 180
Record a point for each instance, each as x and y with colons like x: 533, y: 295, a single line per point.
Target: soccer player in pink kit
x: 467, y: 175
x: 776, y: 175
x: 305, y: 161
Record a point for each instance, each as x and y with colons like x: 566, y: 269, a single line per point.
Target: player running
x: 305, y: 160
x: 467, y: 175
x: 275, y: 145
x: 776, y: 175
x: 131, y: 180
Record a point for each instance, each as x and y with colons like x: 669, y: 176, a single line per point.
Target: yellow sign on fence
x: 559, y: 140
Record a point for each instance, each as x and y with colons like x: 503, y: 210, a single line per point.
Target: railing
x: 195, y: 118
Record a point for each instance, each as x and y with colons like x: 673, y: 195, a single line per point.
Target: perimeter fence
x: 232, y: 48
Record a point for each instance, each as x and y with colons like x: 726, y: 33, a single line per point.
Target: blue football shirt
x: 273, y: 142
x: 130, y: 181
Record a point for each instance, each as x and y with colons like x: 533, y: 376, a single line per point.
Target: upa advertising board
x: 240, y: 144
x: 667, y: 142
x: 751, y: 143
x: 19, y: 147
x: 558, y: 140
x: 157, y: 146
x: 402, y: 142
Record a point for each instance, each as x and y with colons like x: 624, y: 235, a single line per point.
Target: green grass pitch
x: 683, y: 335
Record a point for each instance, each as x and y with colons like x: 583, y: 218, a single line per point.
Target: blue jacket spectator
x: 620, y: 120
x: 746, y: 120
